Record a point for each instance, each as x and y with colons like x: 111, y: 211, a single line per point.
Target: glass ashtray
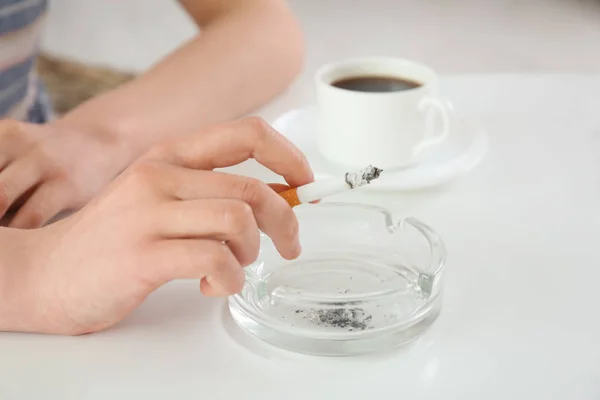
x: 365, y: 282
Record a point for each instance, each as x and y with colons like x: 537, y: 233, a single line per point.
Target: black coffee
x: 375, y: 84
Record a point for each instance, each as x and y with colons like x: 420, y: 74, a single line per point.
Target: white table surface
x: 520, y: 317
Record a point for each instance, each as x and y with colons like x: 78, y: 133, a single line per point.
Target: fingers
x: 14, y: 140
x: 209, y: 260
x: 227, y: 220
x: 233, y: 143
x: 44, y: 204
x: 272, y: 213
x: 16, y: 179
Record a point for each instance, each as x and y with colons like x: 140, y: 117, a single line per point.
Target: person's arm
x: 248, y: 51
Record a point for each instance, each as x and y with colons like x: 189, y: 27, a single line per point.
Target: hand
x: 168, y: 216
x: 46, y: 169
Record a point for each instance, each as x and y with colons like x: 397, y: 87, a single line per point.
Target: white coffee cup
x: 386, y: 129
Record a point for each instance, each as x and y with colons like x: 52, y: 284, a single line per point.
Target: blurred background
x: 454, y: 36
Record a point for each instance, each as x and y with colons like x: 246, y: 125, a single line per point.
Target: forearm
x: 239, y: 61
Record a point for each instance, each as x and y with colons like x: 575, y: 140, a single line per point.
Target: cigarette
x: 320, y: 189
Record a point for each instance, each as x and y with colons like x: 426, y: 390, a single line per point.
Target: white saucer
x: 462, y: 151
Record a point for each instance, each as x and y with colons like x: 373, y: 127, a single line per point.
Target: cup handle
x: 444, y: 109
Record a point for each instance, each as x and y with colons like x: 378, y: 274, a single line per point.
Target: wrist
x: 109, y: 117
x: 110, y: 143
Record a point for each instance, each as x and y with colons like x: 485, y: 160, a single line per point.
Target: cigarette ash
x: 353, y: 319
x: 363, y: 176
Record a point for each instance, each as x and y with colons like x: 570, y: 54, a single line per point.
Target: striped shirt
x: 21, y: 95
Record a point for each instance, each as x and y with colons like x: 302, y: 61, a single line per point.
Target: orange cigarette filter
x: 291, y: 196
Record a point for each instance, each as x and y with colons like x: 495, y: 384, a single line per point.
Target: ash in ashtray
x: 353, y: 319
